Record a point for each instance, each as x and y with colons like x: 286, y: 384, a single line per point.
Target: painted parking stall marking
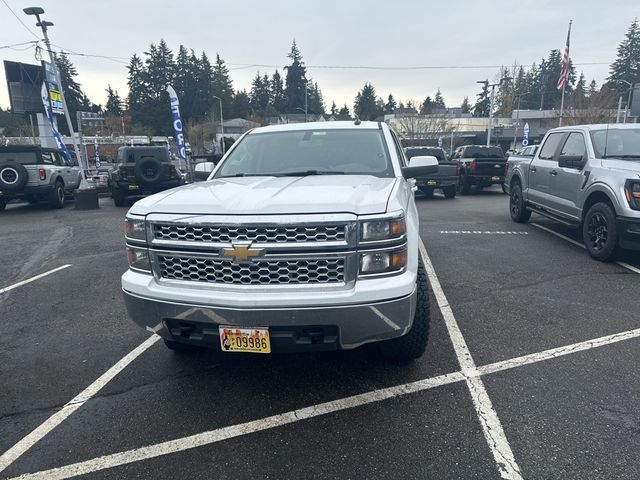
x: 32, y: 279
x: 578, y: 244
x: 225, y: 433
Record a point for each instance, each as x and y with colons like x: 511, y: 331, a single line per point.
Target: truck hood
x: 622, y: 165
x: 358, y: 194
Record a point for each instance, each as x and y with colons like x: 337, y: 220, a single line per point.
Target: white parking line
x: 577, y: 244
x: 225, y: 433
x: 11, y: 455
x: 481, y: 232
x: 29, y: 280
x: 491, y: 426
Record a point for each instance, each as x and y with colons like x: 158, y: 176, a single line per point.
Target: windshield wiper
x: 247, y: 175
x: 306, y: 173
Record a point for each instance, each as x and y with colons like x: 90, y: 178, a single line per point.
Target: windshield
x: 617, y: 143
x: 308, y: 152
x: 25, y: 158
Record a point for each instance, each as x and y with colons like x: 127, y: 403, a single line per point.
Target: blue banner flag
x: 177, y: 125
x: 97, y: 152
x: 44, y: 94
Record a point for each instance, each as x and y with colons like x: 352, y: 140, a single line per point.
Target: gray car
x: 35, y: 174
x: 587, y: 176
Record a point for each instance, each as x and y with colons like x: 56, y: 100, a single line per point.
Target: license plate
x: 495, y: 179
x: 133, y: 187
x: 432, y: 183
x: 253, y: 340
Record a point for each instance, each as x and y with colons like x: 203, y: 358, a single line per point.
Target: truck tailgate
x: 490, y: 166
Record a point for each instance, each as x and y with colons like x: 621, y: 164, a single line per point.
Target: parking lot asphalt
x: 513, y: 290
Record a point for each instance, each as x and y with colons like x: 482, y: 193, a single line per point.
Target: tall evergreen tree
x: 296, y: 81
x: 465, y: 107
x: 75, y: 97
x: 592, y: 91
x: 279, y: 98
x: 205, y: 104
x: 365, y: 105
x: 222, y: 87
x: 260, y: 95
x: 114, y: 102
x: 580, y: 92
x: 315, y: 102
x: 138, y: 91
x: 242, y: 104
x: 482, y: 106
x: 391, y: 105
x: 438, y: 100
x: 159, y: 73
x: 334, y: 108
x: 627, y: 63
x: 426, y: 108
x: 344, y: 111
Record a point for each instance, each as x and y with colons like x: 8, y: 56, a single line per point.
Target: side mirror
x: 420, y: 167
x: 571, y: 161
x: 203, y: 170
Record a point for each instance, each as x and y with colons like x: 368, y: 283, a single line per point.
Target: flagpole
x: 562, y: 106
x: 564, y: 85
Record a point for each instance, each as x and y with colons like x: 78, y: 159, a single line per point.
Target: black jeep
x: 141, y: 171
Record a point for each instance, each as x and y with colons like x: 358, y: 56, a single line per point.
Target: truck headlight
x: 138, y: 259
x: 382, y: 229
x: 381, y: 262
x: 134, y: 229
x: 632, y: 192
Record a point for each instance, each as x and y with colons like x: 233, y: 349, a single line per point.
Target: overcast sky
x: 402, y: 33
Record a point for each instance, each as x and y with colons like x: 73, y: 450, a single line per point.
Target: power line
x: 373, y: 67
x: 20, y: 20
x: 12, y: 46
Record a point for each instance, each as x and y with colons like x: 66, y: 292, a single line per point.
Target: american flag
x: 564, y: 73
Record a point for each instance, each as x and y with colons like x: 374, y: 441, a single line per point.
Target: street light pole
x: 221, y: 124
x: 37, y: 11
x: 493, y: 91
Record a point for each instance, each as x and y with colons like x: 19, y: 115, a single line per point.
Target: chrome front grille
x: 264, y: 271
x: 257, y: 234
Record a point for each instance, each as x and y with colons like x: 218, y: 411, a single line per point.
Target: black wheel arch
x: 594, y: 197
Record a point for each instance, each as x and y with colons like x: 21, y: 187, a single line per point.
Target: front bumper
x: 628, y: 232
x: 291, y: 328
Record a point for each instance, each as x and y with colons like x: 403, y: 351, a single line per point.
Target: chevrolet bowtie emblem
x: 242, y: 253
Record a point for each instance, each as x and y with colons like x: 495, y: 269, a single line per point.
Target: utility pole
x: 628, y: 107
x: 493, y: 91
x: 619, y: 109
x: 221, y: 124
x: 37, y: 11
x: 306, y: 104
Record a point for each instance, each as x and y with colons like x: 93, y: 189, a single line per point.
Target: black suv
x: 141, y: 171
x: 34, y: 173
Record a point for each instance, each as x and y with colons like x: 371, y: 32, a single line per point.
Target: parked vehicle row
x: 587, y: 177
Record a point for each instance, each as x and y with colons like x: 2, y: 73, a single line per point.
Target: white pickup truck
x: 587, y: 176
x: 304, y: 238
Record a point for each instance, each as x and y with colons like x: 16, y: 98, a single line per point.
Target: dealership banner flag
x: 177, y: 125
x: 44, y: 94
x: 97, y: 152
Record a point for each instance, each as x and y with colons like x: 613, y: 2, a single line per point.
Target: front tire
x: 413, y: 344
x: 517, y: 208
x: 56, y: 196
x: 599, y: 232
